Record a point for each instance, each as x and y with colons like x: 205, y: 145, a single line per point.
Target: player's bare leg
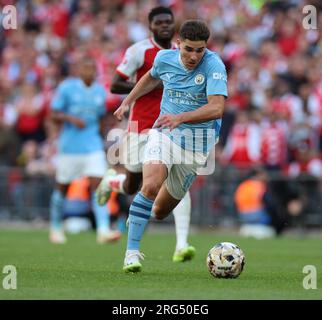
x: 164, y: 203
x: 56, y: 233
x: 154, y: 175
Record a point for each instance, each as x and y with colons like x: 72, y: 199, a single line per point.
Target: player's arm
x: 120, y: 85
x: 214, y: 109
x: 145, y: 85
x: 60, y: 117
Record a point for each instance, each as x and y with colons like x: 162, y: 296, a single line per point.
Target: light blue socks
x: 102, y: 217
x: 56, y: 210
x: 139, y: 215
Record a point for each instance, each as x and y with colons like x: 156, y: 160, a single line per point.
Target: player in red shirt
x: 137, y: 61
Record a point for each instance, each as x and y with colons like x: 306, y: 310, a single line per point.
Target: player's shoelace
x: 134, y: 254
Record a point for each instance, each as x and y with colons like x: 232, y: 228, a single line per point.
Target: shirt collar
x: 184, y: 67
x: 181, y: 63
x: 83, y: 85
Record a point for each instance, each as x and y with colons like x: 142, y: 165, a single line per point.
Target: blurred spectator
x: 77, y: 200
x: 243, y: 146
x: 302, y: 139
x: 28, y: 153
x: 287, y: 33
x: 8, y: 146
x: 286, y: 103
x: 306, y: 178
x: 249, y: 198
x: 273, y: 143
x: 314, y: 105
x: 30, y: 114
x: 9, y: 142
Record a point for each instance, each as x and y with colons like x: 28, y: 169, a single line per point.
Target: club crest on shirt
x: 199, y: 78
x: 155, y: 150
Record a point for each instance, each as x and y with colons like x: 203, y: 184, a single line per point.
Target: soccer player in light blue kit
x: 195, y: 88
x: 79, y: 106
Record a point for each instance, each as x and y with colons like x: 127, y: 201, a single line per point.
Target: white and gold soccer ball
x: 225, y: 260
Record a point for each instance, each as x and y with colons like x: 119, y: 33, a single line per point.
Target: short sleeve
x: 131, y: 62
x: 216, y: 78
x: 59, y: 100
x: 155, y: 70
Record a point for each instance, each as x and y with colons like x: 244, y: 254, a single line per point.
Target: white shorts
x: 133, y: 151
x: 74, y: 166
x: 182, y: 164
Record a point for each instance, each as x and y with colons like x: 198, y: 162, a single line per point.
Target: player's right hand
x: 121, y: 110
x: 77, y: 122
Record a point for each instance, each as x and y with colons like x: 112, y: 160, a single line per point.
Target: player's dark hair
x: 159, y: 10
x: 194, y: 30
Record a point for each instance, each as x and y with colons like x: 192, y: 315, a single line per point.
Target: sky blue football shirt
x: 187, y: 90
x: 73, y: 97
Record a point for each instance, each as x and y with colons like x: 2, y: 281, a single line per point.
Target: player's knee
x: 150, y: 190
x: 159, y: 213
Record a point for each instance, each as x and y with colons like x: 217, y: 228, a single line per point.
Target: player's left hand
x: 170, y: 121
x: 121, y: 110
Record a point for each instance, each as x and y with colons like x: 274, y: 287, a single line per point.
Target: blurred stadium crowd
x: 273, y: 114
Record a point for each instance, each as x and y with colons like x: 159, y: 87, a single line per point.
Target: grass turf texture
x: 82, y: 269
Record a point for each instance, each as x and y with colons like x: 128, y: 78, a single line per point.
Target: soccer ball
x: 225, y: 260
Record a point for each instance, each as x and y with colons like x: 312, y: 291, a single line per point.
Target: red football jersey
x: 243, y: 145
x: 273, y: 145
x: 137, y: 61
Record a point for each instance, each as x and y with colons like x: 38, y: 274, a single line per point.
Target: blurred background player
x: 137, y: 61
x: 249, y: 198
x: 79, y: 105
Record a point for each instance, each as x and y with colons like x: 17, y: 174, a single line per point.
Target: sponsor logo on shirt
x: 219, y: 76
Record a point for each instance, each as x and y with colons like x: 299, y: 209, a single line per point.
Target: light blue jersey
x: 187, y: 90
x: 73, y: 97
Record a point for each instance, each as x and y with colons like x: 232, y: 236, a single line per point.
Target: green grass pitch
x: 82, y: 269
